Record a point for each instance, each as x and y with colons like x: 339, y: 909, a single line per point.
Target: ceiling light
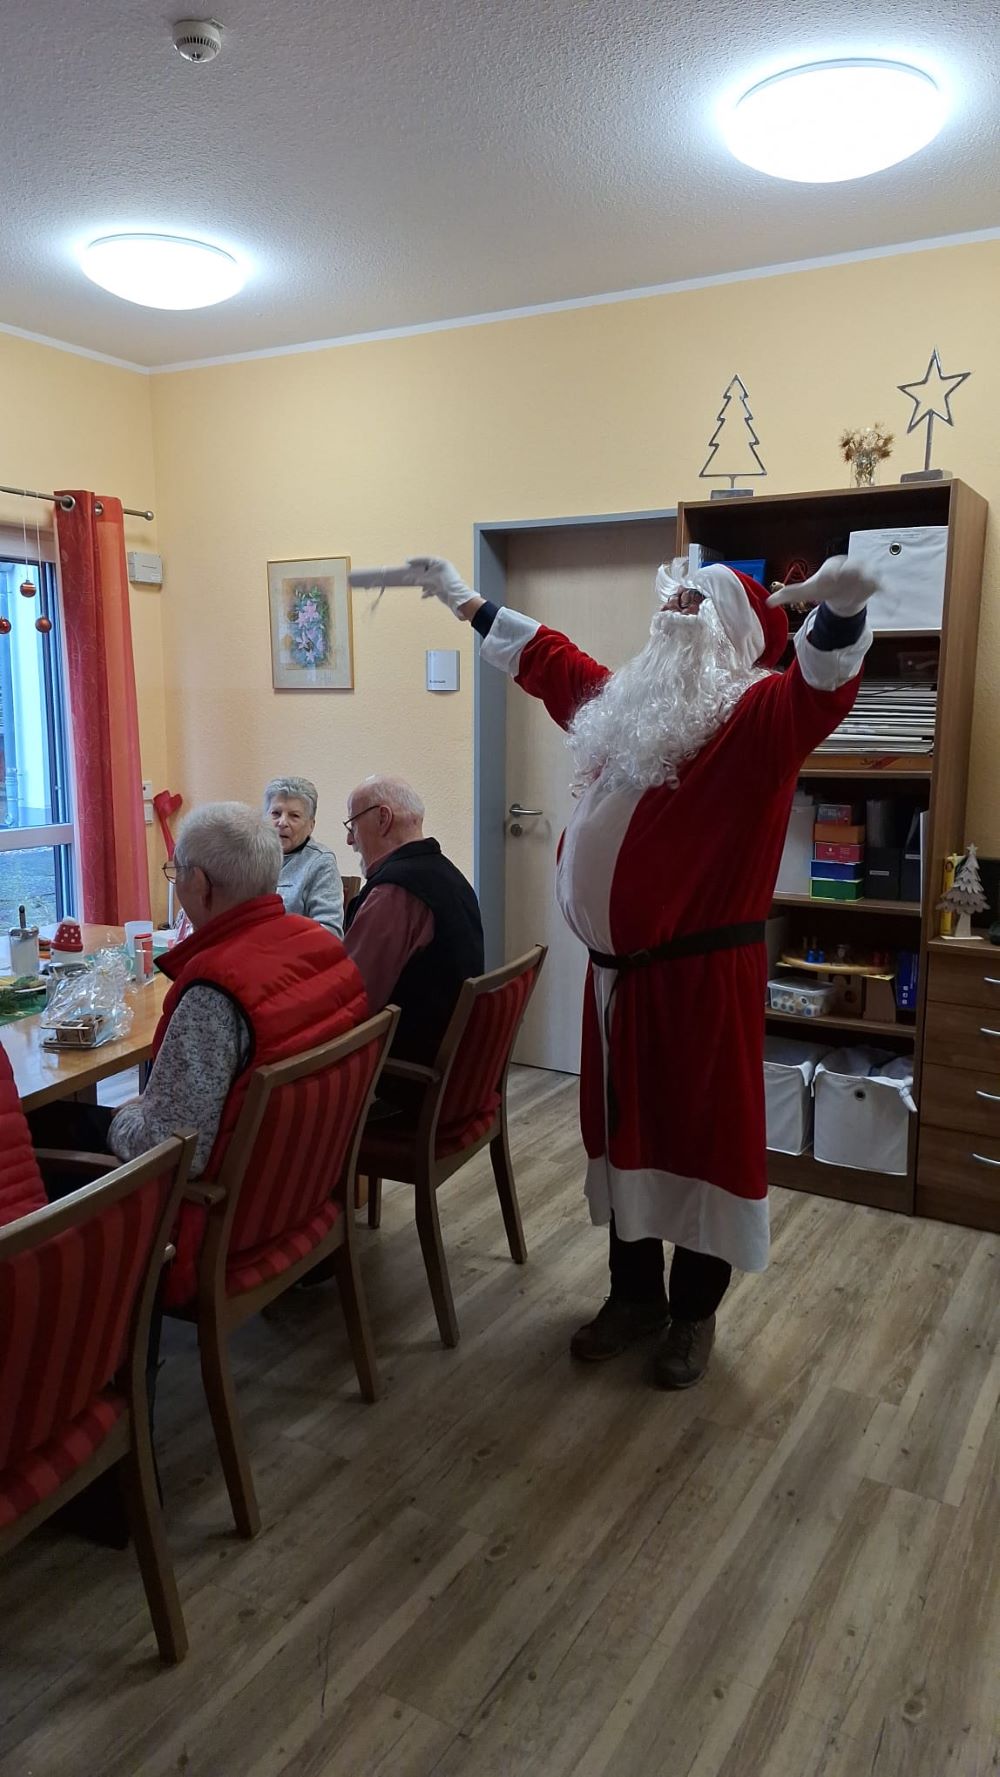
x: 162, y: 271
x: 835, y: 120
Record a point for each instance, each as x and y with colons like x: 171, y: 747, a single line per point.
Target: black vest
x: 429, y: 985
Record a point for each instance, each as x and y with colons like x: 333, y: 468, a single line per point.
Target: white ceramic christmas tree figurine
x: 965, y: 897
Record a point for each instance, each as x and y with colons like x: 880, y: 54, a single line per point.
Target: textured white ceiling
x: 384, y: 163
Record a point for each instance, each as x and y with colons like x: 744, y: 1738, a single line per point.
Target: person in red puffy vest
x: 251, y: 985
x: 21, y: 1187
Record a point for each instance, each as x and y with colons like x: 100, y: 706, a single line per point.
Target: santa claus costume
x: 666, y: 873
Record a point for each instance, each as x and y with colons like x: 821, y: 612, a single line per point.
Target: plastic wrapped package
x: 89, y: 1006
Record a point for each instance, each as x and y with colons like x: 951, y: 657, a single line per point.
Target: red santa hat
x: 757, y: 630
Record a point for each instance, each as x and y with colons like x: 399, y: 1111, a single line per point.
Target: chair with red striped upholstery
x: 77, y: 1283
x: 277, y: 1210
x: 463, y: 1108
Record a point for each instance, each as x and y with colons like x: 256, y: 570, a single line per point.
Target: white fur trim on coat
x: 825, y: 669
x: 509, y: 636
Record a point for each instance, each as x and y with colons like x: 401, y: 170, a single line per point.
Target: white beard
x: 661, y: 707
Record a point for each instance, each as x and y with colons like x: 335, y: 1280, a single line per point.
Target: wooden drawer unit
x: 965, y: 977
x: 958, y: 1177
x: 957, y: 1098
x: 962, y: 1036
x: 958, y: 1151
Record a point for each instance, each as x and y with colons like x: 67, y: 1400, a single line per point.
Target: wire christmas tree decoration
x: 931, y: 397
x: 965, y: 896
x: 746, y: 443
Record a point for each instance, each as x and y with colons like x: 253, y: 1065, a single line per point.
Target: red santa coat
x: 685, y: 1158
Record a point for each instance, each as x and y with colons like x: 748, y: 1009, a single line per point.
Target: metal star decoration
x: 931, y: 398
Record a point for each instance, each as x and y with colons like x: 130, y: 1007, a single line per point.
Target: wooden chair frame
x: 129, y: 1442
x: 427, y: 1172
x: 217, y: 1314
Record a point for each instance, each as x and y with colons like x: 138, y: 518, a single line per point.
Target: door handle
x: 985, y: 1031
x: 984, y: 1160
x: 994, y: 1097
x: 517, y: 813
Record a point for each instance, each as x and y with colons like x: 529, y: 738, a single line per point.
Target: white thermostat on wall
x: 144, y: 569
x: 442, y: 669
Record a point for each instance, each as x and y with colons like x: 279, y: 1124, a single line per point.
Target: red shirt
x: 389, y: 929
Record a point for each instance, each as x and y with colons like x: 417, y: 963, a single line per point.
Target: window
x: 36, y: 832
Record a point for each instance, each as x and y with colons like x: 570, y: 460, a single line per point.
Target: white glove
x: 440, y: 580
x: 436, y: 576
x: 838, y: 583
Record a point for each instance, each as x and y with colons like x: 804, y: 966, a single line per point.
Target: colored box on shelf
x: 825, y: 853
x: 882, y: 872
x: 836, y: 891
x: 838, y: 833
x: 754, y: 567
x: 907, y: 968
x: 822, y: 872
x: 839, y: 814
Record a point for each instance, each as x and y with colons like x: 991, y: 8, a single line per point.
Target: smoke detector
x: 198, y: 40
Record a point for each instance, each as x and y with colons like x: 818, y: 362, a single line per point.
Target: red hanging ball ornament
x: 43, y: 625
x: 4, y: 626
x: 28, y: 589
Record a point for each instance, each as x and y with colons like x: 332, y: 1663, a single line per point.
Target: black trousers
x: 698, y: 1281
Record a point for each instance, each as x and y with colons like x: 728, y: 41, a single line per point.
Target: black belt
x: 689, y: 944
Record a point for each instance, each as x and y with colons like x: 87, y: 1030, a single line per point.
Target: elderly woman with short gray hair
x: 310, y: 881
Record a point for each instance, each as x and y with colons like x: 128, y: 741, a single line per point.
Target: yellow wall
x: 400, y: 446
x: 70, y: 421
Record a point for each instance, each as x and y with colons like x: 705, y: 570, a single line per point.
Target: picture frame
x: 311, y: 622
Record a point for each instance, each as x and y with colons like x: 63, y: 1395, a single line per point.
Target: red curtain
x: 104, y: 715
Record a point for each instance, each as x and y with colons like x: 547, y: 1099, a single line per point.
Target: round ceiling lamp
x: 835, y: 120
x: 163, y: 271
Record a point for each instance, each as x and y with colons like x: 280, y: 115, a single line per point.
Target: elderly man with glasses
x: 415, y: 930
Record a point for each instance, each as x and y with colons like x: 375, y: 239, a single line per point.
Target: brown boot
x: 681, y: 1358
x: 615, y: 1327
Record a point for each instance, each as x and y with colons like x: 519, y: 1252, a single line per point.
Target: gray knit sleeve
x: 206, y: 1045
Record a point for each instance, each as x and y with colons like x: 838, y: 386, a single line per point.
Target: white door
x: 595, y: 584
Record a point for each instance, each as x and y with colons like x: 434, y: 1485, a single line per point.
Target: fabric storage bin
x: 863, y: 1105
x: 789, y: 1067
x: 909, y: 565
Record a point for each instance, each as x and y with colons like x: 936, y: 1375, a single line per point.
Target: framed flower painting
x: 312, y: 641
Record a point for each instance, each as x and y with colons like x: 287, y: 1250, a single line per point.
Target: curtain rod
x: 66, y: 501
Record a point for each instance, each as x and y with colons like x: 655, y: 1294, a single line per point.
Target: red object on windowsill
x: 68, y: 939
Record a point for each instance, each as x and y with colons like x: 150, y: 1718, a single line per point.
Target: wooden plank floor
x: 510, y: 1566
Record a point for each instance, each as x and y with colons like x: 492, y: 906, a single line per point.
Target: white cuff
x: 825, y: 669
x: 510, y: 634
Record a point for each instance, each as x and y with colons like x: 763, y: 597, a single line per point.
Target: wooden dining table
x: 43, y: 1075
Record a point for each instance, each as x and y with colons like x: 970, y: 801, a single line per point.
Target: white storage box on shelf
x: 863, y: 1105
x: 796, y: 857
x: 789, y: 1067
x: 909, y: 565
x: 801, y: 996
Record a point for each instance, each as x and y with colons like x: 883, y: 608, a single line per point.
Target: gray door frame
x: 489, y: 701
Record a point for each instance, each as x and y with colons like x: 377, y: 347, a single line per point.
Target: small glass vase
x: 864, y: 468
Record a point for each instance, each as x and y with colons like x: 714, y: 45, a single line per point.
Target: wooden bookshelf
x: 901, y: 909
x: 812, y: 526
x: 855, y: 1026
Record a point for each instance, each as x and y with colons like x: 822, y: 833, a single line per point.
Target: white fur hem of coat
x: 652, y: 1205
